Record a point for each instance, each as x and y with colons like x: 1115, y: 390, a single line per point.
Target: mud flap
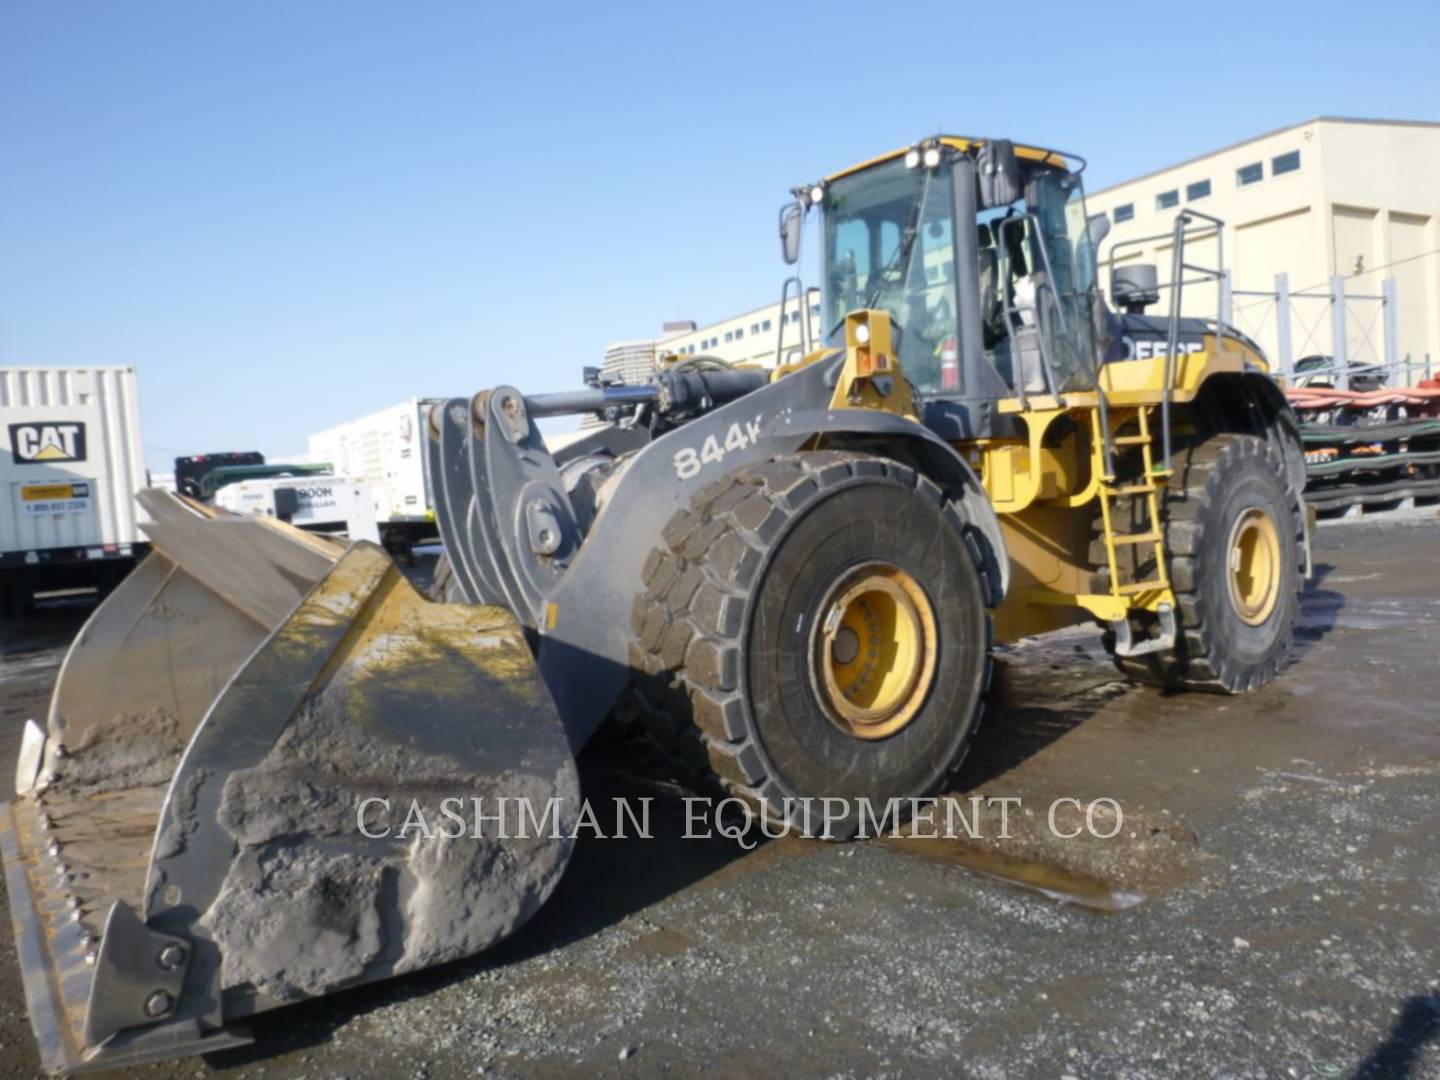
x: 258, y: 783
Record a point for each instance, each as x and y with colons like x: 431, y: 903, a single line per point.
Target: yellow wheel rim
x: 1254, y: 565
x: 874, y: 651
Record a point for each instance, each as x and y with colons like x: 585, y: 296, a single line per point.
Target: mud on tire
x: 1215, y: 482
x: 732, y: 595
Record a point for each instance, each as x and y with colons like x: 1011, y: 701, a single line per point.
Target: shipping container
x: 387, y: 448
x: 71, y: 464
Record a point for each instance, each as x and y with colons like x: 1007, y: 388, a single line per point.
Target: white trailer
x: 72, y: 462
x: 387, y: 448
x: 336, y: 505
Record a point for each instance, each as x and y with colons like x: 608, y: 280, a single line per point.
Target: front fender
x: 888, y: 435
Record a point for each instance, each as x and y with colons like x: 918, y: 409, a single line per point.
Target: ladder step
x: 1131, y: 440
x: 1141, y: 586
x: 1137, y: 538
x: 1131, y: 489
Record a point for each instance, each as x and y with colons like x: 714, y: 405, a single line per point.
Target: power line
x: 1306, y: 291
x: 1371, y: 270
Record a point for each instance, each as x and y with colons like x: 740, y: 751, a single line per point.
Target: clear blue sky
x: 285, y: 214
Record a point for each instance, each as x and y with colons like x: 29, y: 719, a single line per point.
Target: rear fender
x: 1250, y: 403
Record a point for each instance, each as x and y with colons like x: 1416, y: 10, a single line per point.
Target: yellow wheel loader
x: 792, y: 578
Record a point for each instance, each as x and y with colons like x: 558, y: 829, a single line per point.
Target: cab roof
x: 1053, y: 158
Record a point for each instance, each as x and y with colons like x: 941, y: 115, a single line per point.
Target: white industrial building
x: 748, y: 338
x: 1357, y: 200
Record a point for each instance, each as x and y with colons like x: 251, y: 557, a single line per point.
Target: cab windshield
x: 890, y: 244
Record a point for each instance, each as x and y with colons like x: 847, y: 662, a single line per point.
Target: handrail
x: 1172, y: 332
x: 801, y: 301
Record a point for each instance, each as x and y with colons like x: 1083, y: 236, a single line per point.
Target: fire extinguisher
x: 949, y: 364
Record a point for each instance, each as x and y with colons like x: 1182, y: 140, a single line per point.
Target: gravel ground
x: 1269, y: 907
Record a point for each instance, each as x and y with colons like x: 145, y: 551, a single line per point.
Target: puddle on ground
x: 1047, y: 879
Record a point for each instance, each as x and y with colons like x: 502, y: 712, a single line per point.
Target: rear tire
x: 1234, y: 536
x: 735, y: 637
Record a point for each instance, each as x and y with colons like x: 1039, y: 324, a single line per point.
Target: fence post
x: 1227, y: 300
x: 1337, y: 333
x: 1392, y: 332
x: 1282, y: 326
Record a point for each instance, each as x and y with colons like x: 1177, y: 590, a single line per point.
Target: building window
x: 1285, y: 163
x: 739, y: 332
x: 1166, y: 199
x: 1198, y: 190
x: 815, y: 311
x: 1125, y: 212
x: 1249, y: 174
x: 765, y: 325
x: 729, y: 336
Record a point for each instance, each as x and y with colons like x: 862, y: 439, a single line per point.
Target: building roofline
x: 631, y: 343
x: 1256, y: 138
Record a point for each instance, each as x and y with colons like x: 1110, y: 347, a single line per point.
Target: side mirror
x: 998, y: 172
x: 792, y: 220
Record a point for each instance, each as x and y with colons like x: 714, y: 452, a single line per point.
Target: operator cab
x: 999, y: 307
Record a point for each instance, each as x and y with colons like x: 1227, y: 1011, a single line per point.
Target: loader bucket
x: 239, y: 796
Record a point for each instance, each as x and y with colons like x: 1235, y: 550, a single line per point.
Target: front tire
x: 815, y: 627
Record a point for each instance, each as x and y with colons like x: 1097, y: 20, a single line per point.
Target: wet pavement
x: 1269, y: 906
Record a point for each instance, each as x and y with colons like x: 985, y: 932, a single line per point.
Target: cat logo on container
x: 48, y: 443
